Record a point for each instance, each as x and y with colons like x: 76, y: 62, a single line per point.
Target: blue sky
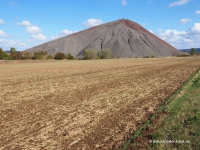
x: 27, y: 23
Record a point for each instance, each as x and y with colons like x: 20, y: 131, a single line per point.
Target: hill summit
x: 124, y: 37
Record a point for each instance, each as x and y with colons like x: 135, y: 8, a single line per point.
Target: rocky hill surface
x: 124, y: 37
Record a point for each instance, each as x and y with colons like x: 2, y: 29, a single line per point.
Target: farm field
x: 95, y: 104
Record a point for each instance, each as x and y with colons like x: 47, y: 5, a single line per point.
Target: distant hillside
x: 124, y: 37
x: 188, y: 50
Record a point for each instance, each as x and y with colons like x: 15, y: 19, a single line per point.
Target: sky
x: 27, y: 23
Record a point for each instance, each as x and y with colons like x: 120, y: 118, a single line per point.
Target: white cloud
x: 33, y: 30
x: 124, y: 2
x: 92, y: 22
x: 3, y: 34
x: 197, y: 12
x: 183, y: 21
x: 151, y: 31
x: 29, y: 40
x: 182, y: 39
x: 24, y: 23
x: 62, y: 33
x: 7, y: 44
x: 195, y: 29
x: 170, y: 33
x: 2, y: 22
x: 179, y: 2
x: 66, y: 32
x: 187, y: 40
x: 39, y: 37
x: 54, y: 37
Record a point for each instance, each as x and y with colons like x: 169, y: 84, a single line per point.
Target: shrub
x: 152, y: 56
x: 26, y: 55
x: 59, y: 56
x: 101, y: 54
x: 89, y: 54
x: 69, y: 56
x: 4, y: 55
x: 40, y: 55
x: 50, y: 57
x: 183, y: 55
x: 109, y: 53
x: 13, y: 53
x: 105, y: 54
x: 192, y: 51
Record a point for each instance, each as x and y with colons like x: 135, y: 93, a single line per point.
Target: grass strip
x: 139, y: 131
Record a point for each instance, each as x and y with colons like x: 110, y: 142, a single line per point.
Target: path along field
x: 83, y: 104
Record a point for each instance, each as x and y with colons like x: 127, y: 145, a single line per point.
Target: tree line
x: 13, y: 54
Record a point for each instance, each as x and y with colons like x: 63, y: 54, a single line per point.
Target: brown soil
x: 83, y: 104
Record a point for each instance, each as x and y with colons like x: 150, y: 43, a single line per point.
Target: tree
x: 89, y: 54
x: 105, y: 54
x: 13, y: 53
x: 26, y: 55
x: 40, y: 55
x: 192, y: 51
x: 50, y: 57
x: 60, y: 56
x: 4, y: 55
x: 69, y: 56
x: 12, y: 50
x: 109, y: 54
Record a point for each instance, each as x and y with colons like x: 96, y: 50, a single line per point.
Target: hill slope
x: 124, y: 37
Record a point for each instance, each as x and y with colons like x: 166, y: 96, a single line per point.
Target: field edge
x: 143, y: 127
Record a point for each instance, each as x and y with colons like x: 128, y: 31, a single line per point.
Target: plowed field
x: 87, y: 105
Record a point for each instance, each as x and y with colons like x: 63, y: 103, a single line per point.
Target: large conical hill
x: 124, y: 37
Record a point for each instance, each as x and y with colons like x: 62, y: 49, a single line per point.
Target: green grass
x: 181, y: 124
x: 183, y: 120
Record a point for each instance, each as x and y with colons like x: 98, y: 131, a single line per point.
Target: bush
x: 183, y: 55
x: 152, y: 56
x: 69, y: 56
x: 109, y: 54
x: 89, y: 54
x: 60, y: 56
x: 40, y: 55
x: 50, y: 57
x: 4, y: 55
x: 101, y: 54
x: 192, y: 51
x: 105, y: 54
x: 26, y: 55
